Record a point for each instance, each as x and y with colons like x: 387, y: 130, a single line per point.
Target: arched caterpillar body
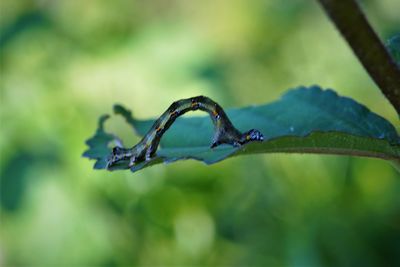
x: 225, y: 132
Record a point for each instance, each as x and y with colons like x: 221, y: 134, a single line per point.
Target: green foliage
x: 60, y: 72
x: 304, y: 120
x: 393, y: 46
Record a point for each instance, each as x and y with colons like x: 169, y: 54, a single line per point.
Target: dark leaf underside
x: 304, y: 120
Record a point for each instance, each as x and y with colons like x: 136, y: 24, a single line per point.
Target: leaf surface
x: 393, y: 45
x: 304, y: 120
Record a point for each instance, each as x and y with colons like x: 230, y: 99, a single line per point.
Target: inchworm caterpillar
x: 225, y: 132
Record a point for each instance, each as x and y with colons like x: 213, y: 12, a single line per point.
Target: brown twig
x: 354, y: 26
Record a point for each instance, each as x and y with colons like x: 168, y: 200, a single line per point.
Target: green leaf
x: 393, y: 45
x: 99, y: 145
x: 304, y: 120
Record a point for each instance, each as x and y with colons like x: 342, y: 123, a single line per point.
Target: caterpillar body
x: 224, y: 131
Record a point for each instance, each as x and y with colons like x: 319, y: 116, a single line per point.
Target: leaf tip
x: 102, y: 120
x: 119, y: 109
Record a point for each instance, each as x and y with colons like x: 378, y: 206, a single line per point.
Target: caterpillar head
x: 252, y: 135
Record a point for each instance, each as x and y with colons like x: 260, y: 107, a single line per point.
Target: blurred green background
x: 64, y: 63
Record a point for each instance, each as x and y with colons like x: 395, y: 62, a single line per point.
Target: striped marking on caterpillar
x: 224, y: 131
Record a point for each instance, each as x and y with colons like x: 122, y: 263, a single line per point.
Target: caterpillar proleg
x: 224, y: 131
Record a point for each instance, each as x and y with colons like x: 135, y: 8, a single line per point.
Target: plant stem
x: 355, y: 28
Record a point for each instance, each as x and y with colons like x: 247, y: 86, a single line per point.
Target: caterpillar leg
x: 232, y: 142
x: 143, y: 154
x: 132, y: 161
x: 215, y: 144
x: 118, y: 153
x: 134, y: 155
x: 236, y: 139
x: 150, y: 152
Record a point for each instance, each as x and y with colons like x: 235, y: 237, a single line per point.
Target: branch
x: 354, y: 26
